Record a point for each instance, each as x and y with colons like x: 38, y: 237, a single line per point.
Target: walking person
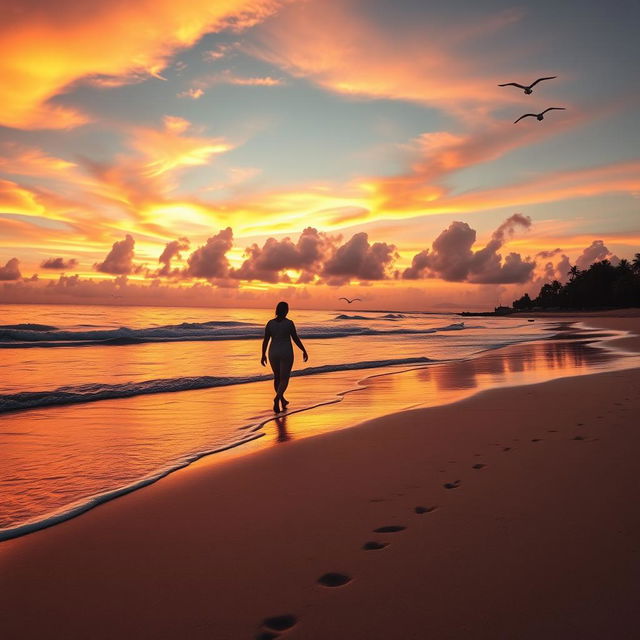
x: 281, y: 331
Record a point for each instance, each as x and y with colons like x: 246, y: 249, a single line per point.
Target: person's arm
x: 265, y: 342
x: 294, y: 337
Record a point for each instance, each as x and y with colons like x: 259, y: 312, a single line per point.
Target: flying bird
x: 540, y: 115
x: 352, y: 300
x: 528, y: 89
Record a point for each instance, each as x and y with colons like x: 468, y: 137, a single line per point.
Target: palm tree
x: 574, y: 272
x: 624, y: 265
x: 635, y: 265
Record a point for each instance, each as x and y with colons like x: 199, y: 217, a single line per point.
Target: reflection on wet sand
x: 537, y: 359
x: 452, y: 381
x: 281, y: 426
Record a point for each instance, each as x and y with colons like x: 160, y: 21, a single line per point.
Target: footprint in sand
x: 424, y: 509
x: 391, y: 528
x: 536, y: 439
x: 579, y: 438
x: 372, y: 545
x: 274, y: 624
x: 507, y: 449
x: 479, y: 466
x: 451, y: 485
x: 334, y: 579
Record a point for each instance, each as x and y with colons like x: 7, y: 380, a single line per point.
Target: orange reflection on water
x: 449, y: 382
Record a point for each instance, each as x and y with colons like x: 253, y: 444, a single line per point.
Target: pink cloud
x: 595, y: 252
x: 120, y: 259
x: 59, y: 263
x: 360, y: 260
x: 11, y: 270
x: 210, y: 261
x: 453, y: 259
x: 269, y: 262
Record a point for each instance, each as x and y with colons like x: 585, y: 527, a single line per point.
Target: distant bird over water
x: 350, y: 301
x: 540, y: 115
x: 528, y: 89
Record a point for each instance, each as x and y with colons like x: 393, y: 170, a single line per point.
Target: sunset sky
x: 235, y: 152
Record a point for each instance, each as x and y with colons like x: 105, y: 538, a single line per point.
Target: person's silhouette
x: 281, y: 331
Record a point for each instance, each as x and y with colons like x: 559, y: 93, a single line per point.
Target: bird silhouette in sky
x: 540, y: 115
x: 528, y: 89
x: 352, y: 300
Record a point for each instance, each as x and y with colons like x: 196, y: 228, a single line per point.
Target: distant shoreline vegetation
x: 602, y: 285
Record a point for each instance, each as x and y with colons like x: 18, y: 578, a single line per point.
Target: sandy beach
x: 509, y: 514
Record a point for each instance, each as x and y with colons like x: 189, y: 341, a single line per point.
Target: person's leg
x: 286, y: 365
x: 275, y: 366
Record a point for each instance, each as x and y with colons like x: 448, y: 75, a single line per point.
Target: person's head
x: 282, y: 309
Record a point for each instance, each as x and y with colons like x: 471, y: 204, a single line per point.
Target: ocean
x: 96, y: 401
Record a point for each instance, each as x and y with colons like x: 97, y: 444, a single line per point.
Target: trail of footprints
x: 271, y: 628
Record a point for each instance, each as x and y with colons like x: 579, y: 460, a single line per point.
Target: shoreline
x: 536, y: 540
x: 246, y: 444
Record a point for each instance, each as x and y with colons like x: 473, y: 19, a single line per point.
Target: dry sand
x: 541, y: 541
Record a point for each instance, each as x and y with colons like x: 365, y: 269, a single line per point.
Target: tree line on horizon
x: 601, y: 285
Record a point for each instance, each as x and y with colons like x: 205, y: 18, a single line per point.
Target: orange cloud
x: 334, y: 207
x: 15, y: 199
x: 622, y: 177
x: 137, y: 188
x: 30, y: 161
x: 228, y: 77
x: 436, y: 155
x: 194, y: 94
x: 167, y: 149
x: 221, y: 51
x: 334, y: 45
x: 44, y: 52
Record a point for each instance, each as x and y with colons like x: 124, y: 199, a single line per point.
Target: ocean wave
x: 386, y: 316
x: 29, y: 326
x: 190, y: 332
x: 27, y: 332
x: 79, y: 394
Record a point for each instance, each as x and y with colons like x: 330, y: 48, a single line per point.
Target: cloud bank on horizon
x: 169, y: 147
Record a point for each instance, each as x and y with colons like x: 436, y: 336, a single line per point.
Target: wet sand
x: 509, y: 514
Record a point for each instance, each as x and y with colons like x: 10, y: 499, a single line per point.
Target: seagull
x: 540, y: 116
x: 352, y: 300
x: 527, y: 89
